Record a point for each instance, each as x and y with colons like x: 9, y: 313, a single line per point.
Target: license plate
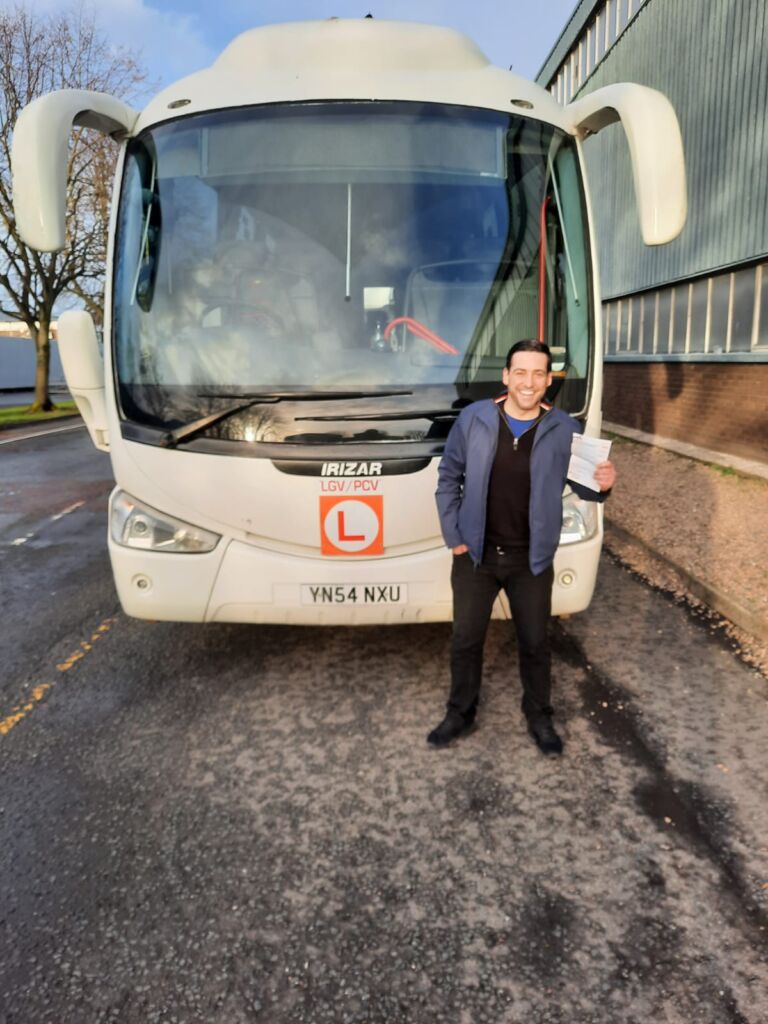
x: 354, y: 593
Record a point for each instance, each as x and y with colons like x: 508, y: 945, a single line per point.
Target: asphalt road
x: 245, y: 824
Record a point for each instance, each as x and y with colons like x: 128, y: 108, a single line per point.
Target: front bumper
x: 239, y: 582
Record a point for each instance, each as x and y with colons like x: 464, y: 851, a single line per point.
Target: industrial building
x: 685, y: 325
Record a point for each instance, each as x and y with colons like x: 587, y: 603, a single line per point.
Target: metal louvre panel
x: 570, y: 34
x: 710, y: 60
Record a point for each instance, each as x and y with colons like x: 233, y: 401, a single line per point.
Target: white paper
x: 586, y: 454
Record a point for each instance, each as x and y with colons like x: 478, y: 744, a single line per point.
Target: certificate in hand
x: 586, y: 454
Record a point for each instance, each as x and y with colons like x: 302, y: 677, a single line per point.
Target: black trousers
x: 530, y: 599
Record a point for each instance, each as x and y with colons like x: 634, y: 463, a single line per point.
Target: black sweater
x: 509, y: 490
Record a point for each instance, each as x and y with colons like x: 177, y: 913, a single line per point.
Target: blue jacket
x: 465, y: 469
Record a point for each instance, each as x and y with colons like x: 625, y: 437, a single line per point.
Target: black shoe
x: 544, y: 734
x: 453, y: 725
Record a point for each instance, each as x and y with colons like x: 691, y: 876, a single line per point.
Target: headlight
x: 135, y: 525
x: 579, y: 519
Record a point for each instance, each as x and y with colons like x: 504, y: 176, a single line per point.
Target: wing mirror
x: 655, y: 148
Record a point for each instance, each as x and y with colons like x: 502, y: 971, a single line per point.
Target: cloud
x: 177, y: 37
x: 168, y: 43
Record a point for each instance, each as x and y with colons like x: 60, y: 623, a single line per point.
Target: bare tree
x: 39, y: 54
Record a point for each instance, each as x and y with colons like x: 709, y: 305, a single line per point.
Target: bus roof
x: 352, y: 59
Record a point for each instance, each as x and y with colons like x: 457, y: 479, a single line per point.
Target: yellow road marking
x: 6, y: 724
x: 20, y: 711
x: 85, y: 646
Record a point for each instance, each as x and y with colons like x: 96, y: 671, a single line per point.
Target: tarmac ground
x: 228, y: 824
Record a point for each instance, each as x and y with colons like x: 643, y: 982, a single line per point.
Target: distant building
x: 17, y: 359
x: 685, y: 326
x: 17, y: 329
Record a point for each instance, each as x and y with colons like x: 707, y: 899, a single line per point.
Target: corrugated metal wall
x: 711, y: 59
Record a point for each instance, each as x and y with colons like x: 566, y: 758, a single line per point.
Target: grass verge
x: 19, y: 416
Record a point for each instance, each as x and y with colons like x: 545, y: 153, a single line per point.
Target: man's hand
x: 605, y: 475
x: 462, y: 549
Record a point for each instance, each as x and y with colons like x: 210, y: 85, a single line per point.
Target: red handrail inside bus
x: 421, y: 331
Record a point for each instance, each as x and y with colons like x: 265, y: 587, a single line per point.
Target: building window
x: 708, y: 331
x: 663, y: 318
x: 614, y: 319
x: 761, y: 327
x: 718, y: 316
x: 655, y: 325
x: 697, y: 337
x: 742, y: 310
x: 643, y: 310
x: 635, y: 324
x: 626, y: 331
x: 633, y: 319
x: 679, y: 318
x: 610, y: 334
x: 610, y: 24
x: 621, y: 325
x: 599, y: 37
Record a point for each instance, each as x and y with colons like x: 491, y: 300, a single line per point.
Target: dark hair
x: 530, y: 345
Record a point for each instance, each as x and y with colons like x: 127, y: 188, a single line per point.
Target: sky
x: 174, y: 38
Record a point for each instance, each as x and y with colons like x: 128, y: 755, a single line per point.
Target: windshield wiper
x: 415, y: 414
x: 187, y: 430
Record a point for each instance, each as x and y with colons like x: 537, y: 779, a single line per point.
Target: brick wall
x: 723, y: 406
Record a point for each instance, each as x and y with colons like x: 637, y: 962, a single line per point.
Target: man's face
x: 526, y: 381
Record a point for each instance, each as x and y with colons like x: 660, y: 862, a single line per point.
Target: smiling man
x: 499, y: 497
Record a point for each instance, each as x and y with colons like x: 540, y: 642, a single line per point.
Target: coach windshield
x: 387, y: 253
